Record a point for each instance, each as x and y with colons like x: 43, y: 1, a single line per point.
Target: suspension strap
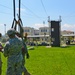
x: 17, y: 23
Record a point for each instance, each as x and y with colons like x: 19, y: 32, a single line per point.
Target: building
x: 29, y: 30
x: 42, y: 34
x: 67, y: 32
x: 67, y: 35
x: 33, y: 34
x: 36, y: 32
x: 44, y: 31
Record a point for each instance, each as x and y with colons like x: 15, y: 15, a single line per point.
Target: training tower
x: 55, y: 32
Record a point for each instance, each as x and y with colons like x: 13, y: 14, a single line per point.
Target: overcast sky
x: 34, y: 12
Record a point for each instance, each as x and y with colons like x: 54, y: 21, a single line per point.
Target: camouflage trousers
x: 0, y: 67
x: 14, y: 68
x: 23, y: 64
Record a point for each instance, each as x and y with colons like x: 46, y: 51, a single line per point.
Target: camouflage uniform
x: 0, y: 65
x: 12, y: 51
x: 24, y: 51
x: 0, y: 57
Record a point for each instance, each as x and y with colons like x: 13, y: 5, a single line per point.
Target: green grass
x: 49, y: 61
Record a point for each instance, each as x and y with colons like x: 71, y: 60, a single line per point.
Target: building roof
x: 68, y: 35
x: 48, y: 35
x: 38, y: 36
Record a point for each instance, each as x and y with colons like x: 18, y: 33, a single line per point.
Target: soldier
x: 0, y: 59
x: 24, y: 52
x: 1, y: 47
x: 25, y: 37
x: 12, y: 51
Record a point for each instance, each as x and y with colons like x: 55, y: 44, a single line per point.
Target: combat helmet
x: 11, y: 32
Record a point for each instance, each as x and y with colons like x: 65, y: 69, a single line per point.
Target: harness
x: 17, y: 23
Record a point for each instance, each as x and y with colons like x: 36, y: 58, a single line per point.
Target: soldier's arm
x: 1, y: 47
x: 26, y: 50
x: 25, y: 47
x: 6, y: 50
x: 27, y: 54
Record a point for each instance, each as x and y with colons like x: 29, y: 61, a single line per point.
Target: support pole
x: 49, y: 23
x: 60, y: 28
x: 44, y: 30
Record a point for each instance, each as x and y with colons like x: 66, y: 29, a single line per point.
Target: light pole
x: 5, y: 29
x: 49, y: 29
x: 44, y: 29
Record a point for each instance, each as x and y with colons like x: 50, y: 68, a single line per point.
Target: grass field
x: 49, y: 61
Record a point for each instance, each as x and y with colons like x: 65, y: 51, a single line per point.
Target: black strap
x: 17, y: 23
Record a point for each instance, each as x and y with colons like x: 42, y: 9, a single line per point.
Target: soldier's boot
x: 0, y: 68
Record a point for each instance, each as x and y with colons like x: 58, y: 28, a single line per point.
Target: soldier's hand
x: 1, y: 49
x: 27, y: 55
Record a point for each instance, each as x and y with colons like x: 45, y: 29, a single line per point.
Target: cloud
x: 63, y: 27
x: 37, y: 26
x: 2, y: 29
x: 22, y: 9
x: 68, y: 27
x: 1, y: 24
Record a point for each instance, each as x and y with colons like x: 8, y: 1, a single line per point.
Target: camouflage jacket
x: 24, y: 49
x: 13, y: 51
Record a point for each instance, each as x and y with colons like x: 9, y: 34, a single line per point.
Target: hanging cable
x: 31, y: 11
x: 44, y: 7
x: 5, y: 13
x: 5, y: 6
x: 40, y: 18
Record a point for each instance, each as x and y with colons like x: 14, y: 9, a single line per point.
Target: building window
x: 52, y: 29
x: 41, y: 30
x: 46, y: 30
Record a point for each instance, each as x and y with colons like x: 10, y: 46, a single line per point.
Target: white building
x: 44, y: 30
x: 43, y: 34
x: 29, y: 30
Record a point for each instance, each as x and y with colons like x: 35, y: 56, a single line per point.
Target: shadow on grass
x: 31, y: 48
x: 68, y: 46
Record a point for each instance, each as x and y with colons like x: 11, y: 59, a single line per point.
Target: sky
x: 35, y: 12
